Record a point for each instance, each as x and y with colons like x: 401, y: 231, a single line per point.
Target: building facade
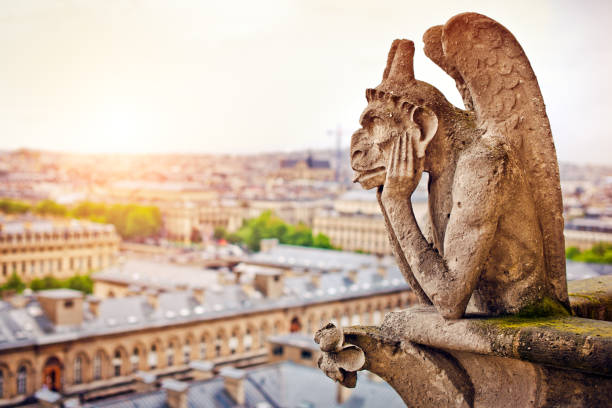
x: 35, y: 247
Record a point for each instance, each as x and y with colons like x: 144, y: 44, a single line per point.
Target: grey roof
x: 284, y: 384
x: 138, y: 272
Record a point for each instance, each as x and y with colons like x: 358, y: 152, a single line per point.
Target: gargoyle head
x: 399, y: 105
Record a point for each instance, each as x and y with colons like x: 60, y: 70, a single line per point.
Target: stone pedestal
x: 479, y: 362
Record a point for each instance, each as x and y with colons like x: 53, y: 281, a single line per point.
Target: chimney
x: 134, y: 290
x: 145, y: 382
x: 64, y: 307
x: 176, y: 393
x: 152, y: 298
x: 48, y: 399
x: 233, y: 381
x: 94, y: 305
x: 352, y: 275
x: 342, y: 393
x: 315, y: 279
x: 269, y: 282
x: 201, y: 370
x: 198, y: 293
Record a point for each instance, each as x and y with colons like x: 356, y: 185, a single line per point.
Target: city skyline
x: 155, y: 77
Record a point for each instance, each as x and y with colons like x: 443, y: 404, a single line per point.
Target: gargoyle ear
x: 427, y: 121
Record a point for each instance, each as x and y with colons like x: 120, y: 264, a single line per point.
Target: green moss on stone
x: 544, y: 307
x: 573, y: 325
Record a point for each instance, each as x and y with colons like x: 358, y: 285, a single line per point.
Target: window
x: 78, y: 370
x: 22, y: 380
x: 218, y: 343
x: 1, y: 384
x: 187, y: 352
x: 248, y: 340
x: 97, y: 366
x: 278, y: 350
x: 153, y: 357
x: 203, y: 348
x: 135, y: 359
x: 306, y: 354
x: 170, y: 355
x: 233, y: 344
x: 117, y: 364
x: 68, y: 304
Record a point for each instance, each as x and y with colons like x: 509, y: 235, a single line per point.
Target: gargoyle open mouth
x: 361, y: 176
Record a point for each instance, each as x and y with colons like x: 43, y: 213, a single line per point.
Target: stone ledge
x: 592, y: 298
x: 563, y: 342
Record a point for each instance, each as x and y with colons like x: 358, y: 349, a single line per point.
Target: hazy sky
x: 197, y: 76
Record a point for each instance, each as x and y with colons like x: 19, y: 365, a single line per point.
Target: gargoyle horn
x: 400, y: 69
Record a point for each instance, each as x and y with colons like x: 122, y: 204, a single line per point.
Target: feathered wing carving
x: 496, y: 80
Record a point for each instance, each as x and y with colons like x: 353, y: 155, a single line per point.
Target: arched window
x: 248, y: 340
x: 187, y: 352
x: 22, y: 380
x: 78, y: 370
x: 135, y: 359
x: 233, y: 343
x: 97, y: 366
x: 218, y: 345
x: 203, y: 348
x: 153, y: 357
x: 117, y: 364
x: 170, y: 354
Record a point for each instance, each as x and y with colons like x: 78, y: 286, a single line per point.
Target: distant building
x: 281, y: 384
x: 356, y: 223
x: 36, y: 247
x: 92, y: 347
x: 305, y: 169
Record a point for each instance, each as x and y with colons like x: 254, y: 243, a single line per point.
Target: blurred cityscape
x: 144, y: 280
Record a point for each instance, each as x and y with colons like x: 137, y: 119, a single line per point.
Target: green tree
x: 267, y: 225
x: 14, y: 207
x: 599, y: 253
x: 49, y: 207
x: 322, y: 241
x: 219, y: 233
x: 84, y: 283
x: 14, y: 283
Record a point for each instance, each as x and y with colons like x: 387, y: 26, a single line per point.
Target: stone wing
x: 497, y: 82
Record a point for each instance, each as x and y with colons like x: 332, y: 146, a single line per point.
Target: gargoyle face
x: 382, y: 122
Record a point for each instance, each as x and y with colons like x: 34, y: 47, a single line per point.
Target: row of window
x: 51, y: 265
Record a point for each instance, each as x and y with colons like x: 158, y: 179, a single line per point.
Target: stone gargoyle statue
x: 493, y: 243
x: 495, y: 228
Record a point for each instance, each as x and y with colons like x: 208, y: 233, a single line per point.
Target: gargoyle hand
x: 340, y: 362
x: 404, y: 169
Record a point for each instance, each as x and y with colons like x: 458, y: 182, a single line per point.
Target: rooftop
x: 283, y: 384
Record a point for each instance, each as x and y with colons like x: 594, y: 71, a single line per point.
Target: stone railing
x: 484, y: 362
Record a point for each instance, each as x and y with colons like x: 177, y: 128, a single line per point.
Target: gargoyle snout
x: 359, y: 150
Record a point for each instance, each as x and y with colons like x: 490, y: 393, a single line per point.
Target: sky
x: 230, y: 76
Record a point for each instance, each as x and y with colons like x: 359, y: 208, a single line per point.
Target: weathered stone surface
x: 485, y: 362
x: 495, y: 239
x: 592, y: 298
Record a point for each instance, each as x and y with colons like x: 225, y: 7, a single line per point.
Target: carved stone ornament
x: 494, y: 233
x: 492, y: 243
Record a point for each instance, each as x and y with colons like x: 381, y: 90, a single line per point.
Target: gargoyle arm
x: 478, y: 193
